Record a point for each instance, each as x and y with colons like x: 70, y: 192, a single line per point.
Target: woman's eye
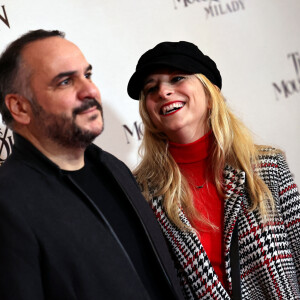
x: 177, y: 78
x: 149, y: 90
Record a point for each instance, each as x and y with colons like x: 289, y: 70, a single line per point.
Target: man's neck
x: 66, y: 158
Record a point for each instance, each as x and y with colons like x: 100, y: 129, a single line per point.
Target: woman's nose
x: 165, y: 90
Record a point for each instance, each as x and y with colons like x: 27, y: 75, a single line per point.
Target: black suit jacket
x: 56, y: 244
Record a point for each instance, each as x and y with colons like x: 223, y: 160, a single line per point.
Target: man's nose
x: 87, y: 89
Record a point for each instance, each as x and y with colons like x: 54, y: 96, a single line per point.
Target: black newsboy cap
x: 181, y: 55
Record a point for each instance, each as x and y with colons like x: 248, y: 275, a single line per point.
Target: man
x: 73, y: 224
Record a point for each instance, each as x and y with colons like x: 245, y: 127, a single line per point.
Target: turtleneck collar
x: 192, y: 152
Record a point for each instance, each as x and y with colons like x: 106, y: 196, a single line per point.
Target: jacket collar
x: 30, y: 155
x: 36, y: 159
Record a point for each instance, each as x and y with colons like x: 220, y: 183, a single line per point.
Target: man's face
x: 66, y: 104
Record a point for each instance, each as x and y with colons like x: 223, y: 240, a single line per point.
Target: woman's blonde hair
x: 159, y: 175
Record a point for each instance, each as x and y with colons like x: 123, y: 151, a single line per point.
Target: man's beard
x: 63, y: 129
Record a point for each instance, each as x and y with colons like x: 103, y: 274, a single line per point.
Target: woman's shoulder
x: 265, y: 149
x: 271, y: 159
x: 269, y: 152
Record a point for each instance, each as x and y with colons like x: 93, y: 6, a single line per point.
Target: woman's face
x: 177, y: 104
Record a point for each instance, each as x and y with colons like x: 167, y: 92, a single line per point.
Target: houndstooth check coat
x: 269, y: 253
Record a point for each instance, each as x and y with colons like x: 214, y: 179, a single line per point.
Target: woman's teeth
x: 172, y: 107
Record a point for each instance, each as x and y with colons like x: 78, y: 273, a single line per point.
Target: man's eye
x: 64, y: 82
x: 88, y: 75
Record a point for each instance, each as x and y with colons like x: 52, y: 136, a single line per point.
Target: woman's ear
x: 217, y: 88
x: 19, y: 107
x: 209, y: 103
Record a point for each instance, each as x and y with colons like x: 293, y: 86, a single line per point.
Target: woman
x: 229, y: 209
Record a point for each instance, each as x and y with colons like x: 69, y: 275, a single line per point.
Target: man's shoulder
x: 10, y: 166
x: 14, y: 178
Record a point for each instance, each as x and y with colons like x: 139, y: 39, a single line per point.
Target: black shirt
x: 102, y: 188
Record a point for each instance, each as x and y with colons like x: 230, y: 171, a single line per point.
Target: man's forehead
x: 45, y: 44
x: 53, y: 52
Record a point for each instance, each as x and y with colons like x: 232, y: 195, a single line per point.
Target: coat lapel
x: 234, y: 186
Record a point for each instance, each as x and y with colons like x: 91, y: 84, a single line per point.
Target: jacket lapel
x: 234, y: 186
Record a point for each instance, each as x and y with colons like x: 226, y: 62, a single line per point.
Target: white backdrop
x: 255, y: 44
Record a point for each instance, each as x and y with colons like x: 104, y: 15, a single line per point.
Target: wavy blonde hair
x: 159, y: 175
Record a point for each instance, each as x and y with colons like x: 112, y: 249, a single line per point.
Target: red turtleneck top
x: 192, y: 160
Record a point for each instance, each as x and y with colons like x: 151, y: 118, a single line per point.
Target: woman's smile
x: 171, y: 108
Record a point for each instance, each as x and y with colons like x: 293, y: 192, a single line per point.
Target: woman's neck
x: 192, y: 152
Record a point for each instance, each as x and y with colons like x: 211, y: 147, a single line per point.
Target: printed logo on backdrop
x: 6, y: 142
x: 213, y: 8
x: 133, y: 132
x: 290, y: 86
x: 3, y: 16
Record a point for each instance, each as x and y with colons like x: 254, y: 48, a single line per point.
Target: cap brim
x: 183, y: 63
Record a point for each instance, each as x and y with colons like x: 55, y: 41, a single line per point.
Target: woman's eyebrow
x: 148, y: 81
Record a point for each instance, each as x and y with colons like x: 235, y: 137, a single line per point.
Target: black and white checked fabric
x: 269, y: 252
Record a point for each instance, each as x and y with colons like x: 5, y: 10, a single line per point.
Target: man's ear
x: 19, y: 108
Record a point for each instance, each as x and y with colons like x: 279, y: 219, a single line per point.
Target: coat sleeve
x: 20, y: 274
x: 289, y: 203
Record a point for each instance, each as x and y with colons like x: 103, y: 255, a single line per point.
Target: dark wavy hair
x: 13, y: 78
